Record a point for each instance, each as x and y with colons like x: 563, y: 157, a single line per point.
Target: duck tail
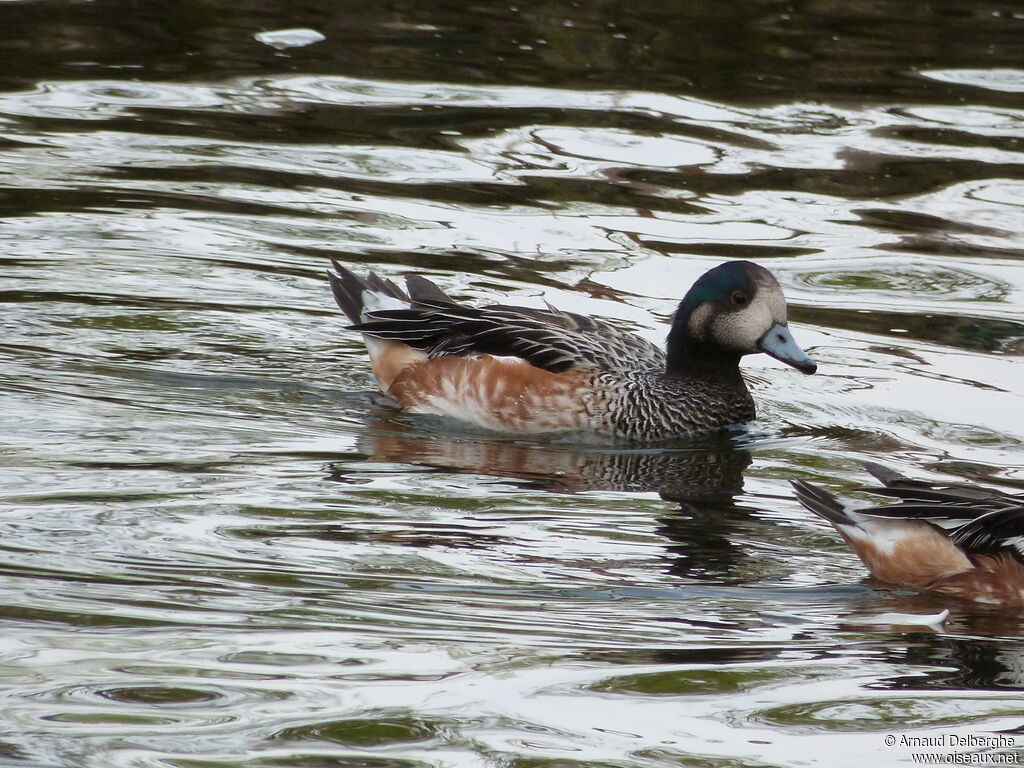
x: 357, y: 295
x: 822, y: 503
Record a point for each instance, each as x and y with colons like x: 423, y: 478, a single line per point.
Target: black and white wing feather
x: 993, y: 532
x: 546, y: 338
x: 902, y: 487
x: 948, y: 505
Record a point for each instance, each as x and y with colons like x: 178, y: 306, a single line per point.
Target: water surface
x: 220, y: 549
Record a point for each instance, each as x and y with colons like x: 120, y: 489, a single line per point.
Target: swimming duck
x: 955, y: 538
x: 527, y: 371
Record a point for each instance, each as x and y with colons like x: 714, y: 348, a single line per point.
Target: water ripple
x: 219, y: 549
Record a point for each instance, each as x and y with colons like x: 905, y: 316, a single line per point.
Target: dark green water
x: 218, y: 550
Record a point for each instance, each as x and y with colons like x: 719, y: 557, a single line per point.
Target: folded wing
x: 546, y: 338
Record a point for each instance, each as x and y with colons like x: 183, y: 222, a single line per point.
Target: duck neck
x: 689, y: 358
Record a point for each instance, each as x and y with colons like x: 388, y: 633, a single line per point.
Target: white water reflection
x: 1008, y: 80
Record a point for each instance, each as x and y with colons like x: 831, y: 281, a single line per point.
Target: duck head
x: 734, y: 309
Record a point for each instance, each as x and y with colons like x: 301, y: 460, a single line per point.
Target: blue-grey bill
x: 778, y: 342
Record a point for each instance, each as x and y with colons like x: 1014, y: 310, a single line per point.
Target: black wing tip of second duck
x: 821, y: 502
x: 907, y: 489
x: 885, y: 475
x: 424, y: 291
x: 348, y: 289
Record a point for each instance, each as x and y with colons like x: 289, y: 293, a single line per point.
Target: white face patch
x: 741, y: 329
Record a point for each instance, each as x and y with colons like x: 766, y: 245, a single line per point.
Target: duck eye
x: 739, y: 298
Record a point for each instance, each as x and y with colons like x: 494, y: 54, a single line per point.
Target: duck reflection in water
x: 703, y: 475
x: 959, y: 658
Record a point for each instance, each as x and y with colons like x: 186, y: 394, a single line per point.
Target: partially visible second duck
x: 527, y: 371
x: 954, y: 538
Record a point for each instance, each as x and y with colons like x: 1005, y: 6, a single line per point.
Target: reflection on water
x: 703, y: 475
x: 959, y: 663
x: 219, y: 551
x: 701, y: 470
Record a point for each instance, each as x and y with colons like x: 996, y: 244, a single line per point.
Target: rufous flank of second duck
x: 529, y: 371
